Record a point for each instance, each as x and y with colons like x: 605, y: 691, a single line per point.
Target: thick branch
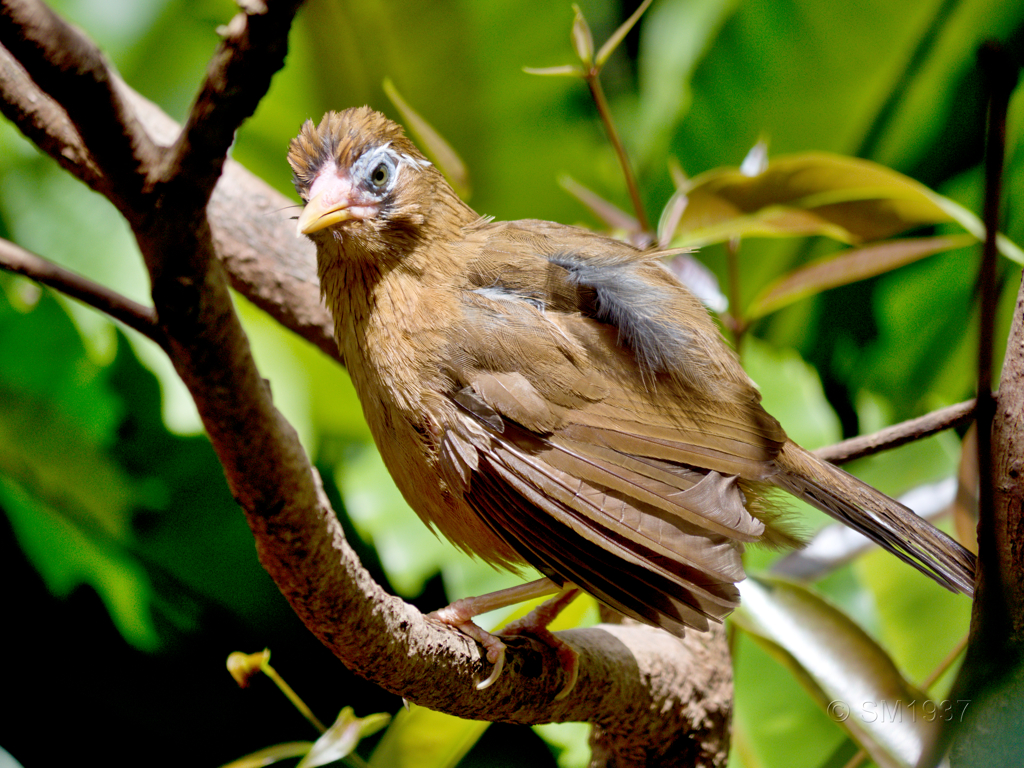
x: 16, y: 259
x: 255, y: 239
x: 72, y: 70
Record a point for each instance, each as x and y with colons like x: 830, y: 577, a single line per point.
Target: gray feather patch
x: 630, y: 303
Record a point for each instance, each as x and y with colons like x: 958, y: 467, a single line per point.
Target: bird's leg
x: 536, y: 623
x: 460, y: 615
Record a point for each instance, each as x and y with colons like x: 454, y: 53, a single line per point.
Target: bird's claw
x: 499, y: 665
x: 459, y: 615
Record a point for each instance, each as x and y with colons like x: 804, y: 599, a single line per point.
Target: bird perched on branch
x: 545, y: 395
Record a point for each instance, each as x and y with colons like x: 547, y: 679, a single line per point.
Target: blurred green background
x: 131, y: 574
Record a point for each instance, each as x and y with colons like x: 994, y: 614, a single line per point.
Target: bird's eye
x: 380, y: 175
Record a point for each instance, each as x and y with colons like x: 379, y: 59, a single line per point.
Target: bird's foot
x: 459, y: 616
x: 535, y: 624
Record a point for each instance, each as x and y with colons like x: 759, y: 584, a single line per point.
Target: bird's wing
x: 602, y: 457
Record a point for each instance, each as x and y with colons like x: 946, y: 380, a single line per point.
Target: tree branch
x: 905, y: 432
x: 143, y: 319
x: 675, y: 694
x: 71, y: 69
x: 255, y: 240
x: 254, y: 46
x: 993, y: 671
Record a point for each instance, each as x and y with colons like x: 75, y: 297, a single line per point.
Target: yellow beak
x: 317, y: 214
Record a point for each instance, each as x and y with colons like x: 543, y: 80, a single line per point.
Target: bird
x: 548, y: 396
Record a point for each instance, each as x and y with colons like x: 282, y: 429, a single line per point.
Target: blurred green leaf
x: 848, y: 267
x: 617, y: 37
x: 848, y: 673
x: 570, y: 740
x: 67, y: 555
x: 423, y: 738
x: 432, y: 143
x: 791, y: 391
x: 410, y: 553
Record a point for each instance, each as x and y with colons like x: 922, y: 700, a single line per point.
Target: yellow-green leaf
x: 816, y: 193
x: 565, y: 69
x: 619, y: 34
x: 423, y: 738
x: 582, y: 39
x: 271, y: 755
x: 343, y: 737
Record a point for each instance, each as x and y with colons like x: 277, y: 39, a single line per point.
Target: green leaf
x: 848, y: 267
x: 815, y: 193
x: 423, y: 738
x: 432, y: 143
x: 582, y: 39
x: 850, y: 676
x: 271, y: 755
x: 343, y: 737
x: 566, y: 69
x: 619, y: 35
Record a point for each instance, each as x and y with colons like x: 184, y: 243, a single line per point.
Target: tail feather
x: 885, y: 521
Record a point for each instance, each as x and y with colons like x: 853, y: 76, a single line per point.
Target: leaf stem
x: 292, y: 696
x: 597, y: 93
x: 739, y: 323
x: 945, y: 664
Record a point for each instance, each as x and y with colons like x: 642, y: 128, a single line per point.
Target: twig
x: 633, y: 680
x: 254, y: 46
x: 14, y: 258
x: 992, y: 675
x: 899, y: 434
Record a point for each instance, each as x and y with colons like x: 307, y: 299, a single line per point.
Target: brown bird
x: 545, y: 395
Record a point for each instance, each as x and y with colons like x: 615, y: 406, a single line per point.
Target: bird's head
x: 365, y: 185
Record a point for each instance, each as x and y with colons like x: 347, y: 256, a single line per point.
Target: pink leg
x: 536, y: 623
x: 460, y: 615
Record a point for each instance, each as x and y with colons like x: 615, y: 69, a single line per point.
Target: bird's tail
x: 882, y: 519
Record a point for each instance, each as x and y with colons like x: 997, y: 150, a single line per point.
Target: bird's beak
x: 322, y: 211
